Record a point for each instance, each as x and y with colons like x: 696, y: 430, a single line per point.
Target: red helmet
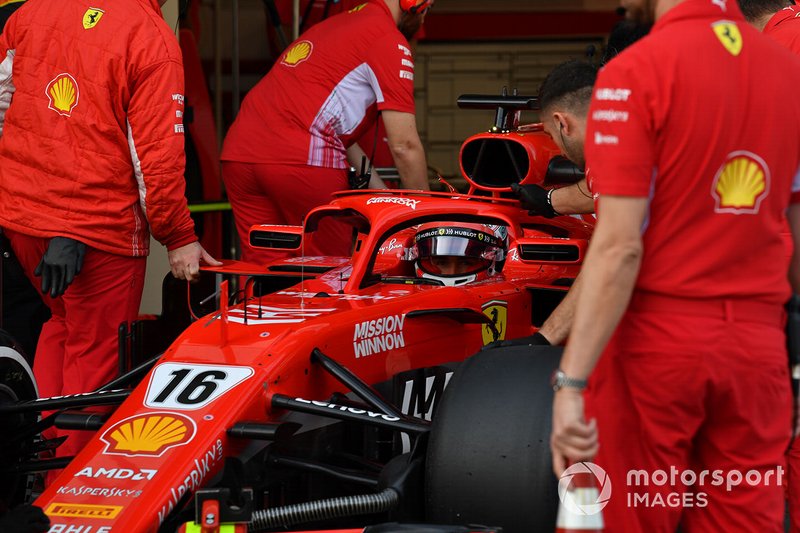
x: 455, y: 253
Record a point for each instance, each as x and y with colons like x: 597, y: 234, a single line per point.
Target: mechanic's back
x: 348, y: 67
x: 735, y: 151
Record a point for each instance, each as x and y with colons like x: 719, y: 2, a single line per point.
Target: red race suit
x: 91, y: 148
x: 286, y: 151
x: 694, y: 382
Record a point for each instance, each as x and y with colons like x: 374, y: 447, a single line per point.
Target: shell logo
x: 297, y: 53
x: 63, y: 94
x: 148, y: 435
x: 741, y: 184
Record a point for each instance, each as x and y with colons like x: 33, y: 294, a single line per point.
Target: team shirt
x: 784, y: 27
x: 696, y: 118
x: 324, y: 91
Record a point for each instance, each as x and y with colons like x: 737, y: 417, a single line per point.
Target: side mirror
x: 274, y: 237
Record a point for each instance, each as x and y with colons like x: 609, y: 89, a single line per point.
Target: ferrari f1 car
x: 335, y: 393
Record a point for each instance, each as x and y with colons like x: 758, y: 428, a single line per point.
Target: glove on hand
x: 60, y: 264
x: 537, y: 339
x: 25, y: 519
x: 535, y: 199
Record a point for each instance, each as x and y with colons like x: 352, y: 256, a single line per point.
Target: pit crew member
x: 780, y: 19
x: 290, y: 146
x: 686, y: 274
x: 23, y: 311
x: 91, y: 161
x: 564, y: 97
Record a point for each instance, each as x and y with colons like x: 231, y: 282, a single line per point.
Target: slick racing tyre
x: 488, y: 459
x: 16, y: 384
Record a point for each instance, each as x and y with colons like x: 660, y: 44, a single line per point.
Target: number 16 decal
x: 189, y: 387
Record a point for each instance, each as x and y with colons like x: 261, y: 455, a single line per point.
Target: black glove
x: 537, y: 339
x: 535, y: 199
x: 60, y: 264
x: 25, y: 519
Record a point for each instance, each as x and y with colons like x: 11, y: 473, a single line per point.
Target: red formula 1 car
x: 317, y: 400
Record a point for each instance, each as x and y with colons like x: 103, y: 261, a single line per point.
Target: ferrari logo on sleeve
x: 297, y: 53
x: 728, y: 34
x: 358, y: 8
x: 63, y: 94
x: 497, y: 311
x: 741, y: 184
x: 92, y: 17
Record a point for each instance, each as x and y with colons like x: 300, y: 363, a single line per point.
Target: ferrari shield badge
x: 728, y: 34
x: 497, y: 311
x: 92, y: 17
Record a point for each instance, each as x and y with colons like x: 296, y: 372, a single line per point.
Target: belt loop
x: 728, y: 310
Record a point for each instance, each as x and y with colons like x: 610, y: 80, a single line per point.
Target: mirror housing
x: 276, y: 237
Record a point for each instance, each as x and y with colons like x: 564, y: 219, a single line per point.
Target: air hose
x: 323, y: 510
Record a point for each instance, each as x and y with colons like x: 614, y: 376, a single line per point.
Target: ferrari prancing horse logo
x: 497, y: 311
x: 729, y: 35
x: 92, y: 17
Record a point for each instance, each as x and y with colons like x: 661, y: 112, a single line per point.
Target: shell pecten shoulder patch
x: 63, y: 94
x: 729, y: 35
x: 92, y: 17
x: 298, y: 53
x: 741, y: 183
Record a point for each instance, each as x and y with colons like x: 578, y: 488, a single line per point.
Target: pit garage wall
x: 480, y: 46
x: 443, y: 71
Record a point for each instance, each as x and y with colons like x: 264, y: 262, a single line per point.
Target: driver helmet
x: 456, y: 253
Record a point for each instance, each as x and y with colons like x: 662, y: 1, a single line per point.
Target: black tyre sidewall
x: 488, y: 459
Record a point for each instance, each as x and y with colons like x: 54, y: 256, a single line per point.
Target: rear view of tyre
x: 488, y: 459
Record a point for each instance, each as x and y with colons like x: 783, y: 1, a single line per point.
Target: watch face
x: 559, y: 380
x: 556, y: 379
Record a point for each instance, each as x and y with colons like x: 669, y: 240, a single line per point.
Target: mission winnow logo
x: 379, y: 335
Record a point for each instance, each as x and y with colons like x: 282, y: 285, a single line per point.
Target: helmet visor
x: 456, y: 255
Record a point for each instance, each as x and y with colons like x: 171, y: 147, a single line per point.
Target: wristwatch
x: 559, y: 380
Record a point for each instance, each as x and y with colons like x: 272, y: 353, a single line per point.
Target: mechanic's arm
x: 609, y: 274
x: 406, y: 148
x: 573, y: 199
x: 570, y: 200
x: 355, y: 156
x: 557, y: 326
x: 156, y: 140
